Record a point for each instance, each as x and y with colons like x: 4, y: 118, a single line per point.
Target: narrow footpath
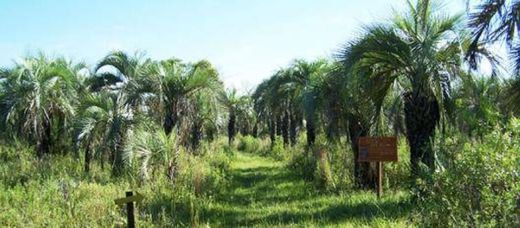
x: 263, y: 192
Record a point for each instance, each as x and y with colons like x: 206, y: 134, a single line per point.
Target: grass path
x: 263, y: 192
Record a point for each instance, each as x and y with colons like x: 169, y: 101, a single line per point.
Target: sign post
x: 379, y: 179
x: 130, y: 211
x: 379, y: 150
x: 129, y: 201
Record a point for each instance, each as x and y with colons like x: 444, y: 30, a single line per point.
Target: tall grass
x: 254, y: 183
x: 55, y: 192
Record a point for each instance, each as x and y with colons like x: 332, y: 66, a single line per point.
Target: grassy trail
x: 263, y: 192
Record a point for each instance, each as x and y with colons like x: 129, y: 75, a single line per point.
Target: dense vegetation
x: 75, y: 137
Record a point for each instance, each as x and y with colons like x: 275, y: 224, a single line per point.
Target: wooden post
x: 130, y: 211
x: 379, y: 179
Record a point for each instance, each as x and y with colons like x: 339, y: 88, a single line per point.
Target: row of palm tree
x: 413, y: 75
x: 59, y: 105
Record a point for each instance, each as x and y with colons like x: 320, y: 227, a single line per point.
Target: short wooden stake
x: 379, y: 179
x: 130, y: 211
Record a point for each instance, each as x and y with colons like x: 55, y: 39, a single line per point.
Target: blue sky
x: 246, y: 40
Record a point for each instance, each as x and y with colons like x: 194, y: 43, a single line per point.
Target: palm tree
x: 103, y: 126
x: 262, y: 106
x: 178, y: 84
x: 246, y: 120
x: 421, y: 52
x: 126, y: 67
x: 203, y: 116
x: 166, y: 85
x: 492, y: 22
x: 495, y: 20
x: 304, y: 79
x: 285, y: 104
x: 477, y: 102
x: 231, y: 101
x: 348, y: 108
x: 269, y: 105
x: 131, y: 74
x: 152, y: 147
x: 37, y: 100
x: 289, y: 95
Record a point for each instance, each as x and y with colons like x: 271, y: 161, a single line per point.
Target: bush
x: 342, y: 162
x: 302, y: 163
x: 248, y: 144
x: 278, y: 150
x: 480, y: 186
x: 323, y: 174
x: 328, y: 165
x: 397, y: 174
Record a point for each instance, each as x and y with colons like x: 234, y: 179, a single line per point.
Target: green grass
x: 251, y: 191
x: 263, y: 192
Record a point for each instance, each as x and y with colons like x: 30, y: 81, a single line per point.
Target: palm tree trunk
x: 285, y: 128
x: 170, y: 119
x: 293, y: 124
x: 279, y: 125
x: 244, y: 128
x: 421, y: 117
x: 255, y: 130
x: 43, y: 142
x: 117, y: 155
x: 102, y: 162
x: 311, y: 134
x: 333, y: 111
x: 87, y: 157
x: 40, y: 151
x: 196, y: 134
x: 364, y: 174
x: 272, y: 131
x: 231, y: 127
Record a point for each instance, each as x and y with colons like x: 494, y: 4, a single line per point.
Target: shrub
x: 327, y: 165
x: 323, y: 174
x: 342, y: 163
x: 397, y: 174
x: 278, y: 149
x: 248, y: 144
x: 302, y: 163
x: 480, y: 186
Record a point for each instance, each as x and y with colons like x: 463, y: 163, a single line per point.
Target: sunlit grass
x: 263, y: 192
x: 253, y: 191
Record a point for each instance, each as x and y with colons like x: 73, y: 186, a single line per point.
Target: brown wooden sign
x: 377, y: 149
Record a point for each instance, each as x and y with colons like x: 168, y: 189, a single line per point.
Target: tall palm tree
x: 178, y: 84
x: 262, y: 106
x: 350, y: 107
x: 245, y: 115
x: 495, y: 20
x: 231, y: 101
x: 421, y: 51
x: 288, y: 96
x: 131, y: 74
x: 287, y: 104
x: 477, y: 101
x: 37, y: 100
x: 303, y: 79
x: 203, y: 116
x: 270, y: 104
x: 168, y: 86
x: 103, y: 126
